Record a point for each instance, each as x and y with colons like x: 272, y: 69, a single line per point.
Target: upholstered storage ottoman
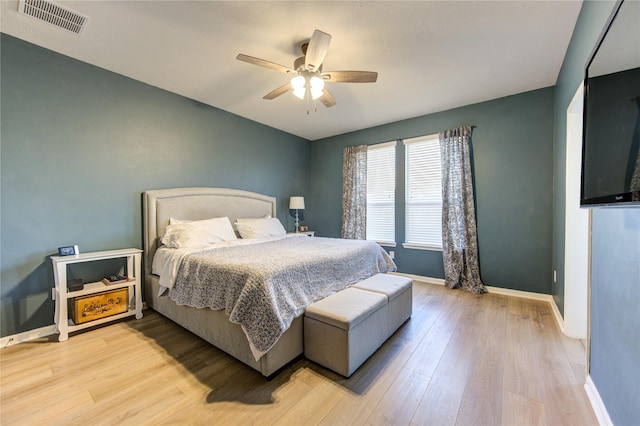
x: 344, y: 329
x: 399, y: 292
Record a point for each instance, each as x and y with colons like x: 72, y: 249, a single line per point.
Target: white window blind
x: 381, y: 192
x: 423, y: 193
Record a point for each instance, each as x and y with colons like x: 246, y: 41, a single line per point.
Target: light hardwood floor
x: 461, y: 359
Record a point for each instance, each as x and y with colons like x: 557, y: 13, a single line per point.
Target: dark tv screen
x: 611, y: 130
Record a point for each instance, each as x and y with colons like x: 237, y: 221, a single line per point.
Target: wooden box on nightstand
x: 99, y: 305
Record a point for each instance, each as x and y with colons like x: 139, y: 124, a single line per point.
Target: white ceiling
x: 431, y: 56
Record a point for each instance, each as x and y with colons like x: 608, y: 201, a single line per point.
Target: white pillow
x: 256, y: 228
x: 180, y: 234
x: 173, y: 221
x: 244, y: 219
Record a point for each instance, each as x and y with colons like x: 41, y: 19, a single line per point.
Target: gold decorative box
x: 99, y: 305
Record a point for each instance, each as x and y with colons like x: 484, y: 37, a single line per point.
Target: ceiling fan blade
x: 263, y: 63
x: 327, y: 98
x: 317, y: 50
x: 277, y: 92
x: 350, y: 76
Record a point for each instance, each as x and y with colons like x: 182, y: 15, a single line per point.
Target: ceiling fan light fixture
x: 317, y: 84
x: 298, y: 84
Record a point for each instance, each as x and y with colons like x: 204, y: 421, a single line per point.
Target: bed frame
x: 212, y: 326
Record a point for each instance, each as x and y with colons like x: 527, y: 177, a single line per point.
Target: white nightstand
x: 62, y: 294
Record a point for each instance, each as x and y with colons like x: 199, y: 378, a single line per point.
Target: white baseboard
x: 504, y: 291
x: 520, y: 293
x: 558, y: 317
x: 428, y: 280
x: 495, y: 290
x: 27, y: 335
x: 596, y: 403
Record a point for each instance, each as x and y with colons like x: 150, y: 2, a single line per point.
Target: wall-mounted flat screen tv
x: 611, y: 126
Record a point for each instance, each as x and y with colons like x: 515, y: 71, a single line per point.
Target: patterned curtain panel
x: 354, y: 192
x: 459, y: 235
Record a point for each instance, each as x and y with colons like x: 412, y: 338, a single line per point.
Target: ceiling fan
x: 308, y: 78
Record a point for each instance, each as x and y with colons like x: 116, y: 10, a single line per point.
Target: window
x: 381, y: 193
x: 423, y: 193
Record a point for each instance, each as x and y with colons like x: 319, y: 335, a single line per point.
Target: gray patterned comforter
x: 264, y: 286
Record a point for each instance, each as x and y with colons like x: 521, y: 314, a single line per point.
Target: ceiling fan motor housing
x: 298, y: 64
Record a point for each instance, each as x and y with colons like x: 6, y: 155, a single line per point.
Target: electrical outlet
x: 392, y: 254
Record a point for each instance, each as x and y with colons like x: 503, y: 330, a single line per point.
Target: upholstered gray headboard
x: 196, y: 204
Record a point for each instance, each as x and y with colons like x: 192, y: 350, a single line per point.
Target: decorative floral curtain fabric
x: 354, y: 192
x: 459, y: 235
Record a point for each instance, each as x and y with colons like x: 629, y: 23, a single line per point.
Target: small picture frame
x: 304, y: 228
x: 68, y: 251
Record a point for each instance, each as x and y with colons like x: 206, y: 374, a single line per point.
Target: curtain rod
x: 473, y: 126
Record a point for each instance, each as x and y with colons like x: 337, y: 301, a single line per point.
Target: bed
x: 214, y: 325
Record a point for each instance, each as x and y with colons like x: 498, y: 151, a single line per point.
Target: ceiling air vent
x: 53, y: 14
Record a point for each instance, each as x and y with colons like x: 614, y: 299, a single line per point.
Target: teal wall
x: 591, y: 20
x: 79, y: 145
x: 615, y: 249
x: 512, y: 160
x: 615, y: 312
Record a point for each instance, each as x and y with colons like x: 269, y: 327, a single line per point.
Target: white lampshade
x: 298, y: 83
x: 317, y: 84
x: 296, y: 203
x: 301, y: 84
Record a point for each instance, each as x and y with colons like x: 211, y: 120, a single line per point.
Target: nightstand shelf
x: 61, y: 293
x: 96, y: 287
